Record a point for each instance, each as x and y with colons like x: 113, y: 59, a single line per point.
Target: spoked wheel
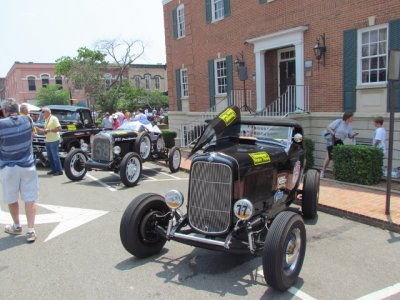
x: 138, y: 228
x: 310, y: 198
x: 75, y: 165
x: 159, y: 146
x: 131, y: 169
x: 174, y: 159
x: 285, y: 247
x: 143, y: 145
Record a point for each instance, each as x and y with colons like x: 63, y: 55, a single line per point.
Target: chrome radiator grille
x: 102, y: 148
x: 39, y: 143
x: 210, y: 197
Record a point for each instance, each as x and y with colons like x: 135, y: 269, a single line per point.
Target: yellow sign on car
x: 228, y: 116
x: 260, y: 158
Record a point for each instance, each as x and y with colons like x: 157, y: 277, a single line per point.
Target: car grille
x: 102, y: 148
x: 210, y: 197
x: 39, y: 143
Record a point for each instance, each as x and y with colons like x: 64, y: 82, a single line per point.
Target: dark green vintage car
x: 245, y: 175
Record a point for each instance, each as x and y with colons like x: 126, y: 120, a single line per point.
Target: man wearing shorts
x: 17, y: 168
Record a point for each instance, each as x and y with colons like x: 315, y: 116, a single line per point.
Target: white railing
x: 288, y: 103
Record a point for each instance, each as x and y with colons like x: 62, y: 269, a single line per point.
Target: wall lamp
x: 320, y: 49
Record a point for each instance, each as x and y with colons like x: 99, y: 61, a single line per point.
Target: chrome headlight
x: 174, y: 199
x: 84, y: 147
x: 243, y: 209
x: 117, y: 150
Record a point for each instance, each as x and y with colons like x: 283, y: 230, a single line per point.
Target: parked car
x: 245, y: 175
x: 122, y: 150
x: 77, y: 127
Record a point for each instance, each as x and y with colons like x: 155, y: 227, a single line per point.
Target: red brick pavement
x: 360, y: 203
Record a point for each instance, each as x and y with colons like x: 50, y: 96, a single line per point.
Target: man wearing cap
x: 17, y: 168
x: 116, y: 122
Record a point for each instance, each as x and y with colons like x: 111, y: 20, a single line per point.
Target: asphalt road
x: 78, y: 254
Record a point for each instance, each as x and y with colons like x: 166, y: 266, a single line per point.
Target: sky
x: 42, y: 31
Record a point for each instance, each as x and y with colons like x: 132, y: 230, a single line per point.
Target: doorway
x: 286, y: 69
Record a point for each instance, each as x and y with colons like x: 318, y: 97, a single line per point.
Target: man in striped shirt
x: 17, y: 168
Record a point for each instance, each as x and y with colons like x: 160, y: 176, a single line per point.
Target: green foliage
x: 169, y: 138
x: 358, y: 164
x: 52, y: 94
x: 309, y: 147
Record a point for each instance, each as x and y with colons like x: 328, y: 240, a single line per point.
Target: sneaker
x: 51, y: 173
x: 30, y: 237
x: 58, y: 173
x: 322, y: 174
x: 11, y: 229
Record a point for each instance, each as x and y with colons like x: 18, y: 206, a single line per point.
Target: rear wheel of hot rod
x: 130, y: 169
x: 138, y: 232
x: 174, y: 159
x: 74, y: 165
x: 143, y: 145
x: 309, y: 201
x: 284, y: 250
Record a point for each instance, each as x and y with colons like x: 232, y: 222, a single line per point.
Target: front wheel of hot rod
x: 309, y: 201
x: 130, y: 169
x: 74, y: 165
x: 284, y: 250
x: 138, y: 232
x: 174, y: 159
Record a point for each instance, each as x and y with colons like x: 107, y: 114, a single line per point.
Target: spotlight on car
x: 117, y: 150
x: 174, y: 199
x: 243, y: 209
x: 84, y: 147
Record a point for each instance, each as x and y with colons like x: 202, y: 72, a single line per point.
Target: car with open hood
x: 246, y: 172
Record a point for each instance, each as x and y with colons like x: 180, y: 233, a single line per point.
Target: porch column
x: 260, y: 79
x: 300, y: 89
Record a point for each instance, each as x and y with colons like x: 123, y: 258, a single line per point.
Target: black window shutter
x: 178, y: 90
x: 208, y: 11
x: 394, y: 43
x: 211, y: 83
x: 229, y: 78
x: 349, y: 69
x: 175, y: 23
x: 227, y: 8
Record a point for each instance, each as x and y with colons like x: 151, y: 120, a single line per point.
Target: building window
x: 184, y: 83
x: 217, y: 8
x: 59, y: 80
x: 31, y: 83
x: 147, y: 79
x: 373, y: 55
x: 137, y: 81
x: 157, y: 82
x: 220, y: 76
x: 45, y: 80
x: 180, y: 16
x: 108, y: 80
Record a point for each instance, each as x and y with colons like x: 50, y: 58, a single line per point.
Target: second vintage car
x: 246, y: 174
x: 122, y: 150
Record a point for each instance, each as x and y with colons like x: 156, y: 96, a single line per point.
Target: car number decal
x: 228, y: 116
x: 71, y: 127
x: 260, y: 158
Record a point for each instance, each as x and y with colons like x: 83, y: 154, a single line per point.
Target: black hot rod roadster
x: 244, y: 176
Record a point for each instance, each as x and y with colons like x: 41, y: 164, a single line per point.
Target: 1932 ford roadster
x: 244, y: 176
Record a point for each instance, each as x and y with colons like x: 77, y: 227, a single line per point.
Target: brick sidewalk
x: 355, y: 202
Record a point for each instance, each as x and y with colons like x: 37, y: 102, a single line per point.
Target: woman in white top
x: 340, y: 129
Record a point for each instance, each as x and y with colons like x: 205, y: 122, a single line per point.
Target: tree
x: 52, y: 94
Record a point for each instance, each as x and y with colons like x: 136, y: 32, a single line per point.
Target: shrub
x: 358, y: 164
x: 169, y: 138
x: 309, y: 147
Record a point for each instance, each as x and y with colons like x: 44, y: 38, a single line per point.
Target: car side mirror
x: 298, y: 138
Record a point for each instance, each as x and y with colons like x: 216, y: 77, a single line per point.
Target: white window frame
x: 30, y: 78
x: 180, y: 21
x: 147, y: 81
x: 378, y: 55
x: 184, y: 83
x: 136, y: 80
x: 218, y: 13
x: 107, y: 80
x: 157, y: 82
x: 45, y: 77
x: 221, y: 80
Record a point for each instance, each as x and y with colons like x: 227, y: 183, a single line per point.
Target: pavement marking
x: 165, y: 180
x: 383, y: 293
x: 294, y: 291
x: 149, y: 177
x: 162, y: 172
x: 67, y: 217
x: 101, y: 183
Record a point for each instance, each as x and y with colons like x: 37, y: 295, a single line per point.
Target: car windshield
x: 130, y: 125
x: 63, y: 116
x: 266, y: 133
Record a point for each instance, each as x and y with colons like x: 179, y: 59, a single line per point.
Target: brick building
x: 211, y: 45
x: 24, y: 79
